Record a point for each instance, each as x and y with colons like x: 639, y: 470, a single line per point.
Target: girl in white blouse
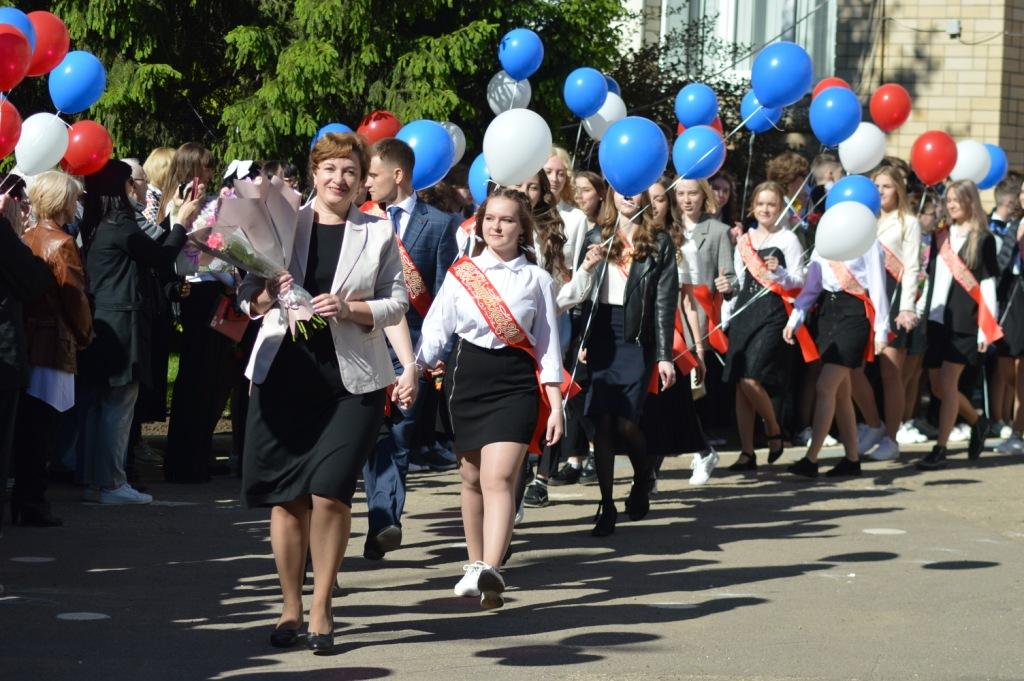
x: 491, y: 398
x: 899, y: 235
x: 846, y: 334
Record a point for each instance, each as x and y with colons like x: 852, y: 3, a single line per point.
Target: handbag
x: 229, y: 321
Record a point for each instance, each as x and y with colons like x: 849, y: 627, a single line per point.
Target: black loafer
x: 804, y: 467
x: 844, y: 468
x: 320, y: 643
x: 284, y: 637
x: 934, y: 460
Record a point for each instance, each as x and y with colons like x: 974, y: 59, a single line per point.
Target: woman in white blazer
x: 317, y: 402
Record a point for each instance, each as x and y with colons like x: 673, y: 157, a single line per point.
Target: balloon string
x: 579, y: 132
x: 746, y: 180
x: 924, y: 195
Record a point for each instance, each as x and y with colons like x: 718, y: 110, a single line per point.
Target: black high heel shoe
x: 775, y: 454
x: 321, y: 643
x: 639, y: 502
x: 36, y: 515
x: 747, y: 461
x: 605, y: 519
x: 284, y: 637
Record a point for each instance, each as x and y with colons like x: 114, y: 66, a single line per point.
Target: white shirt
x: 691, y: 260
x: 903, y: 238
x: 53, y: 386
x: 868, y: 270
x: 406, y: 207
x: 942, y: 282
x: 576, y: 227
x: 528, y: 291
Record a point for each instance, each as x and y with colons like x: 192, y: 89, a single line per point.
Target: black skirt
x: 670, y: 423
x: 1012, y: 343
x: 620, y: 371
x: 948, y: 346
x: 843, y: 329
x: 489, y: 396
x: 756, y: 348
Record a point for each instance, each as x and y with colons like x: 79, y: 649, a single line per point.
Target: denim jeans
x: 108, y: 423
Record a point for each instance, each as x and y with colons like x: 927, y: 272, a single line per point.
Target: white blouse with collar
x: 528, y: 291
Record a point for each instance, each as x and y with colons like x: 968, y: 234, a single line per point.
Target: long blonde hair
x: 568, y: 193
x: 899, y: 180
x: 966, y: 192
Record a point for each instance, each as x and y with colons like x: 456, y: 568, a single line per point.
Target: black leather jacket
x: 650, y: 299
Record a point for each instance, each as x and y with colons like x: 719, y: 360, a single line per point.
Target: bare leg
x: 329, y: 526
x: 912, y: 385
x: 945, y: 385
x: 891, y: 364
x: 846, y: 419
x: 998, y: 387
x: 472, y: 504
x: 762, y: 403
x: 1018, y: 418
x: 832, y: 375
x: 289, y: 539
x: 864, y: 397
x: 500, y: 463
x: 807, y: 390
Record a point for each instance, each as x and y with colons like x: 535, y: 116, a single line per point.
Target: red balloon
x: 379, y: 125
x: 10, y: 128
x: 890, y: 106
x: 933, y: 156
x: 15, y: 54
x: 826, y: 83
x: 52, y: 43
x: 716, y: 124
x: 89, y: 148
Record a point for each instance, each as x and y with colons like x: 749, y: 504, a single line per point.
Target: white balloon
x: 613, y: 109
x: 43, y: 141
x: 505, y: 93
x: 458, y: 139
x: 517, y: 144
x: 863, y: 150
x: 972, y: 161
x: 846, y: 231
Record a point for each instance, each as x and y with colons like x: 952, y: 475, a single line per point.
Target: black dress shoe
x: 775, y: 454
x: 747, y: 461
x: 845, y: 467
x: 388, y: 539
x: 566, y: 476
x: 977, y: 442
x: 804, y: 467
x: 321, y: 643
x: 284, y: 637
x: 934, y: 460
x: 588, y: 474
x: 639, y: 503
x: 605, y: 519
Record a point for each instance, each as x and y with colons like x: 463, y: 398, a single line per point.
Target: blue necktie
x: 396, y: 218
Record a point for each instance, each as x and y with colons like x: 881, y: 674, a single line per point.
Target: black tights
x: 612, y: 431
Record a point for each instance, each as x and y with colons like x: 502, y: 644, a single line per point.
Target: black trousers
x: 207, y: 369
x: 34, y: 438
x: 8, y: 412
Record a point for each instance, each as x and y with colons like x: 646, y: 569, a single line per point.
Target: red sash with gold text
x: 505, y: 326
x: 755, y: 266
x: 893, y: 264
x: 962, y: 274
x: 419, y: 293
x: 711, y: 302
x: 853, y: 287
x: 373, y: 208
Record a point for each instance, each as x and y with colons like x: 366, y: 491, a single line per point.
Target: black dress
x: 305, y: 433
x: 756, y: 347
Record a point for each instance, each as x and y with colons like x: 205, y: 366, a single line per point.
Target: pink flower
x: 215, y: 241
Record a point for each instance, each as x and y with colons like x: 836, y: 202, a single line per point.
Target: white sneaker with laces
x: 887, y: 450
x: 124, y: 495
x: 1011, y: 445
x: 961, y: 433
x: 906, y: 434
x: 491, y: 587
x: 702, y: 467
x: 467, y: 586
x: 871, y: 437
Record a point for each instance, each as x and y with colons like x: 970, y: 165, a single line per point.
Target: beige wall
x: 970, y: 91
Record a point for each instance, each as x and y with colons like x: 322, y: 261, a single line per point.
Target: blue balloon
x: 835, y: 115
x: 781, y: 75
x: 613, y: 85
x: 696, y: 104
x: 585, y: 91
x: 698, y: 153
x: 521, y: 53
x: 330, y: 127
x: 633, y: 155
x: 77, y: 83
x: 758, y: 118
x: 997, y: 170
x: 479, y: 179
x: 855, y: 188
x: 20, y: 21
x: 433, y: 150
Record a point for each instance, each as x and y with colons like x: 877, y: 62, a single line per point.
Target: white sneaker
x: 1005, y: 431
x: 1011, y: 445
x: 887, y: 450
x: 870, y: 438
x: 491, y: 587
x: 803, y: 438
x: 520, y: 514
x: 467, y: 586
x: 961, y: 433
x: 829, y: 441
x: 125, y: 494
x: 702, y: 467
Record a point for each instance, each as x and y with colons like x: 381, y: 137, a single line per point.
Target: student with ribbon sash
x: 899, y: 236
x: 629, y: 344
x: 769, y: 256
x: 501, y: 306
x: 961, y: 311
x: 425, y: 237
x: 1011, y: 305
x: 852, y: 326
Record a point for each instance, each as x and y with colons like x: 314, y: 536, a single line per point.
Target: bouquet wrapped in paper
x: 254, y: 230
